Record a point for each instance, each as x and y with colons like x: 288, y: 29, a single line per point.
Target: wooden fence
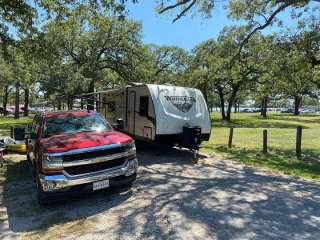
x: 298, y: 145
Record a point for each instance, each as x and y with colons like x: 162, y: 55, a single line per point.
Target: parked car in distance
x: 308, y: 110
x: 245, y: 110
x: 287, y: 110
x: 78, y: 151
x: 11, y: 110
x: 3, y: 112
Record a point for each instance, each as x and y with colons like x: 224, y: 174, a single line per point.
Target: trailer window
x: 144, y: 106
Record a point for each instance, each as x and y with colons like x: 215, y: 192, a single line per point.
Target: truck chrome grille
x: 95, y: 154
x: 89, y: 168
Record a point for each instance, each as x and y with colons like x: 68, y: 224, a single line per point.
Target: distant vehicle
x: 163, y: 114
x: 3, y: 112
x: 287, y: 110
x: 246, y: 110
x: 32, y: 110
x: 11, y: 110
x: 308, y: 111
x: 39, y: 109
x: 72, y: 151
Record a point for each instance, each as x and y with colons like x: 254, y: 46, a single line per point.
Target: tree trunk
x: 90, y: 101
x: 17, y: 101
x: 70, y: 104
x: 26, y: 102
x: 235, y: 106
x: 81, y: 103
x: 205, y: 95
x: 264, y: 106
x: 230, y: 104
x: 221, y: 97
x: 5, y: 100
x: 297, y: 104
x: 59, y: 104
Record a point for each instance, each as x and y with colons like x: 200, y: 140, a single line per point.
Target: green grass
x: 247, y: 142
x: 16, y: 168
x: 7, y: 122
x: 274, y: 120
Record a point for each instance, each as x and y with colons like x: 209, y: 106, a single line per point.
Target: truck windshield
x: 74, y: 124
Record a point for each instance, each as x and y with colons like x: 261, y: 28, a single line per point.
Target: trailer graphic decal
x: 182, y: 103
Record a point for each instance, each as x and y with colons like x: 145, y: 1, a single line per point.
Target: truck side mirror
x: 119, y: 125
x: 30, y: 135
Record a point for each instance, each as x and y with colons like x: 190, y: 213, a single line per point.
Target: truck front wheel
x: 42, y: 197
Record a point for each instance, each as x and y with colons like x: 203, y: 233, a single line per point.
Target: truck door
x: 132, y: 112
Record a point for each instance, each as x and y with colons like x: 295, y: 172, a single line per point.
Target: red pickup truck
x: 75, y: 151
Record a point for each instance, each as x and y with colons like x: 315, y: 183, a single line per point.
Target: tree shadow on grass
x: 243, y: 123
x: 284, y: 161
x: 303, y: 118
x: 272, y: 121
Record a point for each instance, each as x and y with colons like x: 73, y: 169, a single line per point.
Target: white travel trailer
x: 158, y: 113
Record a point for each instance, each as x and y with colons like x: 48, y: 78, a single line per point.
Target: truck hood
x: 67, y: 142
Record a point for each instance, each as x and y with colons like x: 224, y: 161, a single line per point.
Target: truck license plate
x: 101, y: 184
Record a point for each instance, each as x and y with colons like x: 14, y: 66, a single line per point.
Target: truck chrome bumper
x: 51, y: 183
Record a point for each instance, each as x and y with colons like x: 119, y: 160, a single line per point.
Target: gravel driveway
x: 172, y: 199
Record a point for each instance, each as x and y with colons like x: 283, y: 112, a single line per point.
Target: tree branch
x: 182, y: 13
x: 174, y: 6
x: 266, y: 24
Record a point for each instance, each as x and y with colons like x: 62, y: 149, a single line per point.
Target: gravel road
x: 171, y: 199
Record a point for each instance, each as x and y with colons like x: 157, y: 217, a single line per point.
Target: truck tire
x: 31, y: 168
x: 129, y: 184
x: 42, y: 197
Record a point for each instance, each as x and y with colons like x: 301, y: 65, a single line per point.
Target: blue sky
x: 187, y: 32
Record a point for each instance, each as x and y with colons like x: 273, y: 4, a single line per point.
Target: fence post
x: 230, y: 137
x: 12, y: 132
x: 298, y: 142
x: 265, y: 141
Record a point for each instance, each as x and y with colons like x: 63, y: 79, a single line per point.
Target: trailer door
x: 132, y: 112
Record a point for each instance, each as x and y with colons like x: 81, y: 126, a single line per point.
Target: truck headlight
x: 131, y: 150
x: 132, y: 168
x: 131, y: 147
x: 45, y: 157
x: 51, y: 162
